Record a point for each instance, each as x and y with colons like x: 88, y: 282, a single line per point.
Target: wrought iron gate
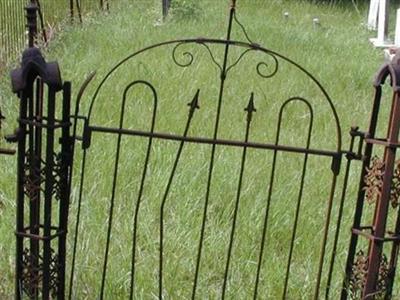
x: 212, y: 201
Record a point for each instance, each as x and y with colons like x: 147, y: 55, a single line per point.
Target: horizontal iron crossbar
x: 7, y: 151
x: 201, y: 140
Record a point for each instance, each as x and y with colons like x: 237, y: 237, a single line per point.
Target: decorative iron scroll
x: 374, y: 180
x: 263, y: 69
x: 395, y: 189
x: 34, y: 177
x: 359, y: 273
x: 32, y: 273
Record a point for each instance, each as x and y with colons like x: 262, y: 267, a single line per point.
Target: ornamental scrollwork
x: 359, y: 273
x: 374, y: 181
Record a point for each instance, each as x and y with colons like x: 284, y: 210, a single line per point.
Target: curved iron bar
x: 271, y: 186
x: 248, y: 46
x: 302, y: 181
x: 115, y: 176
x: 258, y: 66
x: 139, y: 198
x: 263, y: 64
x: 232, y: 43
x: 242, y: 27
x: 190, y: 56
x: 76, y: 230
x: 212, y: 56
x: 237, y: 60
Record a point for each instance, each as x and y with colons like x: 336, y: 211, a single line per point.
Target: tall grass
x: 337, y: 53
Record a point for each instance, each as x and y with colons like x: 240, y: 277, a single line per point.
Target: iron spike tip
x: 250, y: 106
x: 194, y: 104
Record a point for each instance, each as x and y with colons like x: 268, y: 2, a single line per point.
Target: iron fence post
x: 43, y: 173
x: 31, y: 15
x: 369, y: 274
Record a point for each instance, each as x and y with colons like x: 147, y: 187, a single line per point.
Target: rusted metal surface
x: 45, y: 177
x: 379, y: 186
x: 225, y: 65
x: 43, y: 170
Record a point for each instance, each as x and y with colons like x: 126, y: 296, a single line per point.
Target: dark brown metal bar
x: 31, y: 11
x: 383, y: 202
x: 350, y: 157
x: 193, y: 107
x: 20, y: 196
x: 140, y: 194
x: 213, y: 150
x: 201, y: 140
x: 300, y: 194
x: 48, y: 195
x: 361, y: 193
x: 65, y: 188
x: 114, y: 184
x: 250, y: 109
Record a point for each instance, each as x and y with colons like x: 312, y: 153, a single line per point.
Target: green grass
x: 338, y: 54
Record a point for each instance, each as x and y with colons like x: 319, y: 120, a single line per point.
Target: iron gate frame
x: 89, y: 129
x: 36, y: 279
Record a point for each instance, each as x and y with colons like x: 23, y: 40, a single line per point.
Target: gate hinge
x: 87, y: 135
x: 15, y: 137
x: 336, y: 162
x: 354, y: 133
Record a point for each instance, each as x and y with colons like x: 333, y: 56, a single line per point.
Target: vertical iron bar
x: 31, y: 10
x: 164, y: 8
x: 266, y: 216
x: 41, y: 21
x: 76, y: 230
x: 213, y: 149
x: 21, y: 135
x: 340, y: 213
x: 250, y: 109
x: 299, y: 198
x: 393, y: 259
x: 325, y: 236
x: 193, y: 106
x: 71, y: 10
x: 361, y: 192
x: 34, y: 179
x: 81, y: 183
x: 383, y: 203
x: 78, y: 8
x: 114, y: 186
x: 66, y: 157
x: 139, y: 198
x: 48, y: 194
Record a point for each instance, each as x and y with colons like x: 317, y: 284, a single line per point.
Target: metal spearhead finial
x: 194, y: 104
x: 250, y: 108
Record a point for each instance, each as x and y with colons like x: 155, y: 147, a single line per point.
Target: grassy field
x: 337, y: 53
